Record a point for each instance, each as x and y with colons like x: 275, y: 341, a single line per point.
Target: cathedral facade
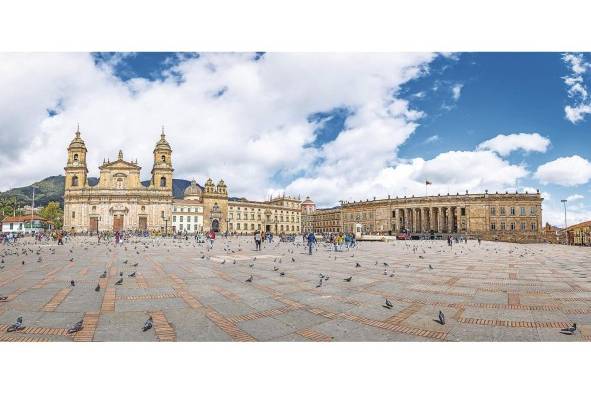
x: 119, y: 201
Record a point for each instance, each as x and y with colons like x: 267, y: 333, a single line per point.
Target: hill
x: 52, y: 189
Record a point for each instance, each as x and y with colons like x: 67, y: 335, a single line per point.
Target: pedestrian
x: 311, y: 242
x: 257, y: 240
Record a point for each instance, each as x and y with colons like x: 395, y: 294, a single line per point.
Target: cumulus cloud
x: 226, y: 115
x: 580, y: 104
x: 450, y: 172
x: 565, y: 171
x: 505, y: 144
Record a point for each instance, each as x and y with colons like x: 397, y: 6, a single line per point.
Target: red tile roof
x: 582, y: 224
x: 22, y: 218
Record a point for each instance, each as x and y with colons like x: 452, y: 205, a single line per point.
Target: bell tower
x: 76, y: 169
x: 162, y: 170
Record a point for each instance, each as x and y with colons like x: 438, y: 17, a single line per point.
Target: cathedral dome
x: 307, y: 201
x: 193, y: 190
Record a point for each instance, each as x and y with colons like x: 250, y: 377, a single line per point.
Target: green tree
x: 7, y: 207
x: 53, y: 213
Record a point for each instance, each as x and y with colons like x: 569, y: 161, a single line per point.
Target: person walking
x: 311, y: 242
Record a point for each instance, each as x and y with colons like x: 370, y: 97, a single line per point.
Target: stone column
x: 451, y: 219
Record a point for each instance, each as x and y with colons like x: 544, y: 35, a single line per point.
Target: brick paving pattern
x: 488, y: 292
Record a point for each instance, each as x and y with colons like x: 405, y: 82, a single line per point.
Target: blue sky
x: 332, y: 126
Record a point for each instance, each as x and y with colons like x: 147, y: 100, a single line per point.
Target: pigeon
x: 249, y: 279
x: 103, y: 275
x: 251, y: 265
x: 348, y: 279
x: 134, y: 265
x: 120, y: 273
x: 147, y: 324
x: 97, y: 288
x: 292, y: 260
x: 3, y: 298
x: 385, y: 272
x: 388, y: 304
x: 125, y: 262
x: 441, y: 318
x: 275, y: 268
x: 430, y: 267
x: 119, y: 282
x: 357, y: 265
x: 132, y: 275
x: 72, y: 283
x: 23, y: 262
x: 320, y: 283
x: 570, y: 330
x: 282, y: 274
x: 386, y: 265
x: 16, y: 326
x: 76, y: 327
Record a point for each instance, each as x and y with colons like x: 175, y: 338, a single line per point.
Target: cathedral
x: 119, y: 201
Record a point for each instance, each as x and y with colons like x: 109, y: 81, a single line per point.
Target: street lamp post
x: 165, y: 224
x: 565, y: 225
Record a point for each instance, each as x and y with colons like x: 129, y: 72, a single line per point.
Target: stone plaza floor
x: 488, y: 292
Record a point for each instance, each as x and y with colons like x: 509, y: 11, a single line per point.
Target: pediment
x: 120, y: 164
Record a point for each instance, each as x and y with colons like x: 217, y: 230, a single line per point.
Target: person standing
x: 257, y: 240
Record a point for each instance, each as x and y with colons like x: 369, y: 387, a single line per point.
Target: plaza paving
x: 488, y: 292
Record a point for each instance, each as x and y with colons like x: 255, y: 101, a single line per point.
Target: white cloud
x: 577, y: 113
x: 565, y: 171
x: 257, y: 129
x: 577, y: 91
x: 433, y: 138
x: 575, y: 197
x: 505, y: 144
x: 453, y: 172
x: 456, y: 91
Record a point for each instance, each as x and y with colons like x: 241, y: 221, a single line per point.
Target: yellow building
x: 281, y: 215
x: 119, y: 201
x: 579, y: 234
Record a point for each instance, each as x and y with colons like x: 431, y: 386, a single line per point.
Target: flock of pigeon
x: 231, y: 247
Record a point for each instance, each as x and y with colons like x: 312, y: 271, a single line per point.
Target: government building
x: 495, y: 216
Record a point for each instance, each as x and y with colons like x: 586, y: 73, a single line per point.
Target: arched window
x: 164, y: 158
x: 163, y: 182
x: 75, y: 156
x: 74, y: 180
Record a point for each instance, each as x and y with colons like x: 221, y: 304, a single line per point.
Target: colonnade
x: 442, y: 219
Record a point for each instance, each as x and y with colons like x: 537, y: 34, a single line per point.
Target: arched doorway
x: 215, y: 225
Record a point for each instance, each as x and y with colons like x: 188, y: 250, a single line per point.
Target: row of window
x: 181, y: 218
x: 188, y: 227
x: 245, y: 217
x: 189, y: 209
x: 245, y: 226
x: 513, y: 226
x: 259, y: 209
x: 503, y: 211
